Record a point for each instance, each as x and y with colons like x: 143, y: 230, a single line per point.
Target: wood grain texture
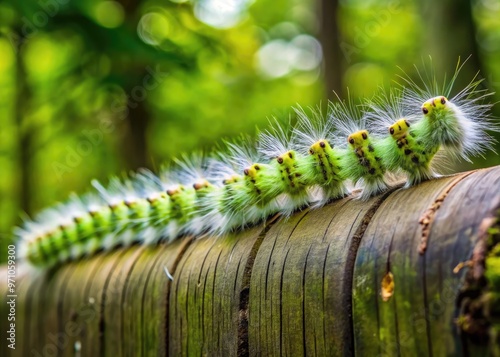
x: 205, y: 300
x: 309, y: 285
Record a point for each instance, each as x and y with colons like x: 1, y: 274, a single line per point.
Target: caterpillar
x: 354, y: 144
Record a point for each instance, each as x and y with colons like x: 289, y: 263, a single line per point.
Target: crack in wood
x: 176, y: 262
x: 149, y: 274
x: 304, y: 305
x: 243, y: 350
x: 427, y: 217
x: 281, y: 302
x: 350, y: 262
x: 102, y: 323
x: 135, y: 258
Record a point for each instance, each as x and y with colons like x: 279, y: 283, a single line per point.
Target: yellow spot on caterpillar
x: 251, y: 171
x: 356, y: 139
x: 157, y: 196
x: 232, y: 179
x: 387, y: 289
x: 200, y: 184
x: 318, y: 146
x: 173, y: 191
x: 399, y: 129
x: 286, y: 159
x: 435, y: 103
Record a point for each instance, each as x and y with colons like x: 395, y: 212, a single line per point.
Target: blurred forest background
x: 91, y: 88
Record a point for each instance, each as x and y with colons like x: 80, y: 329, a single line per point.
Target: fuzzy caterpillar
x: 285, y: 170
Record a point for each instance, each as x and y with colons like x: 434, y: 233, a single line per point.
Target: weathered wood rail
x: 307, y: 286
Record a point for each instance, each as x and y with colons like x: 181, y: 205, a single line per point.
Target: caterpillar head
x: 319, y: 146
x: 433, y: 104
x: 399, y: 128
x: 287, y: 158
x: 358, y: 138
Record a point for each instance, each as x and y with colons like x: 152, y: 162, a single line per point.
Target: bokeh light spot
x: 307, y: 51
x: 220, y: 13
x: 273, y: 59
x: 153, y: 28
x: 278, y: 58
x: 109, y: 14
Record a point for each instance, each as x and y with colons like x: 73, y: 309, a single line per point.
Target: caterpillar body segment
x: 256, y: 193
x: 314, y: 137
x: 193, y: 172
x: 362, y: 162
x: 405, y: 151
x: 323, y: 169
x: 182, y: 200
x: 401, y: 146
x: 293, y: 191
x: 219, y: 208
x: 130, y: 213
x: 154, y: 192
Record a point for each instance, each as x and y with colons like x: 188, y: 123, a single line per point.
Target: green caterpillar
x: 400, y: 131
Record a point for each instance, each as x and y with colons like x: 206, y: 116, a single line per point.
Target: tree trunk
x: 24, y: 131
x: 333, y: 60
x: 134, y: 143
x: 450, y: 33
x: 375, y: 278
